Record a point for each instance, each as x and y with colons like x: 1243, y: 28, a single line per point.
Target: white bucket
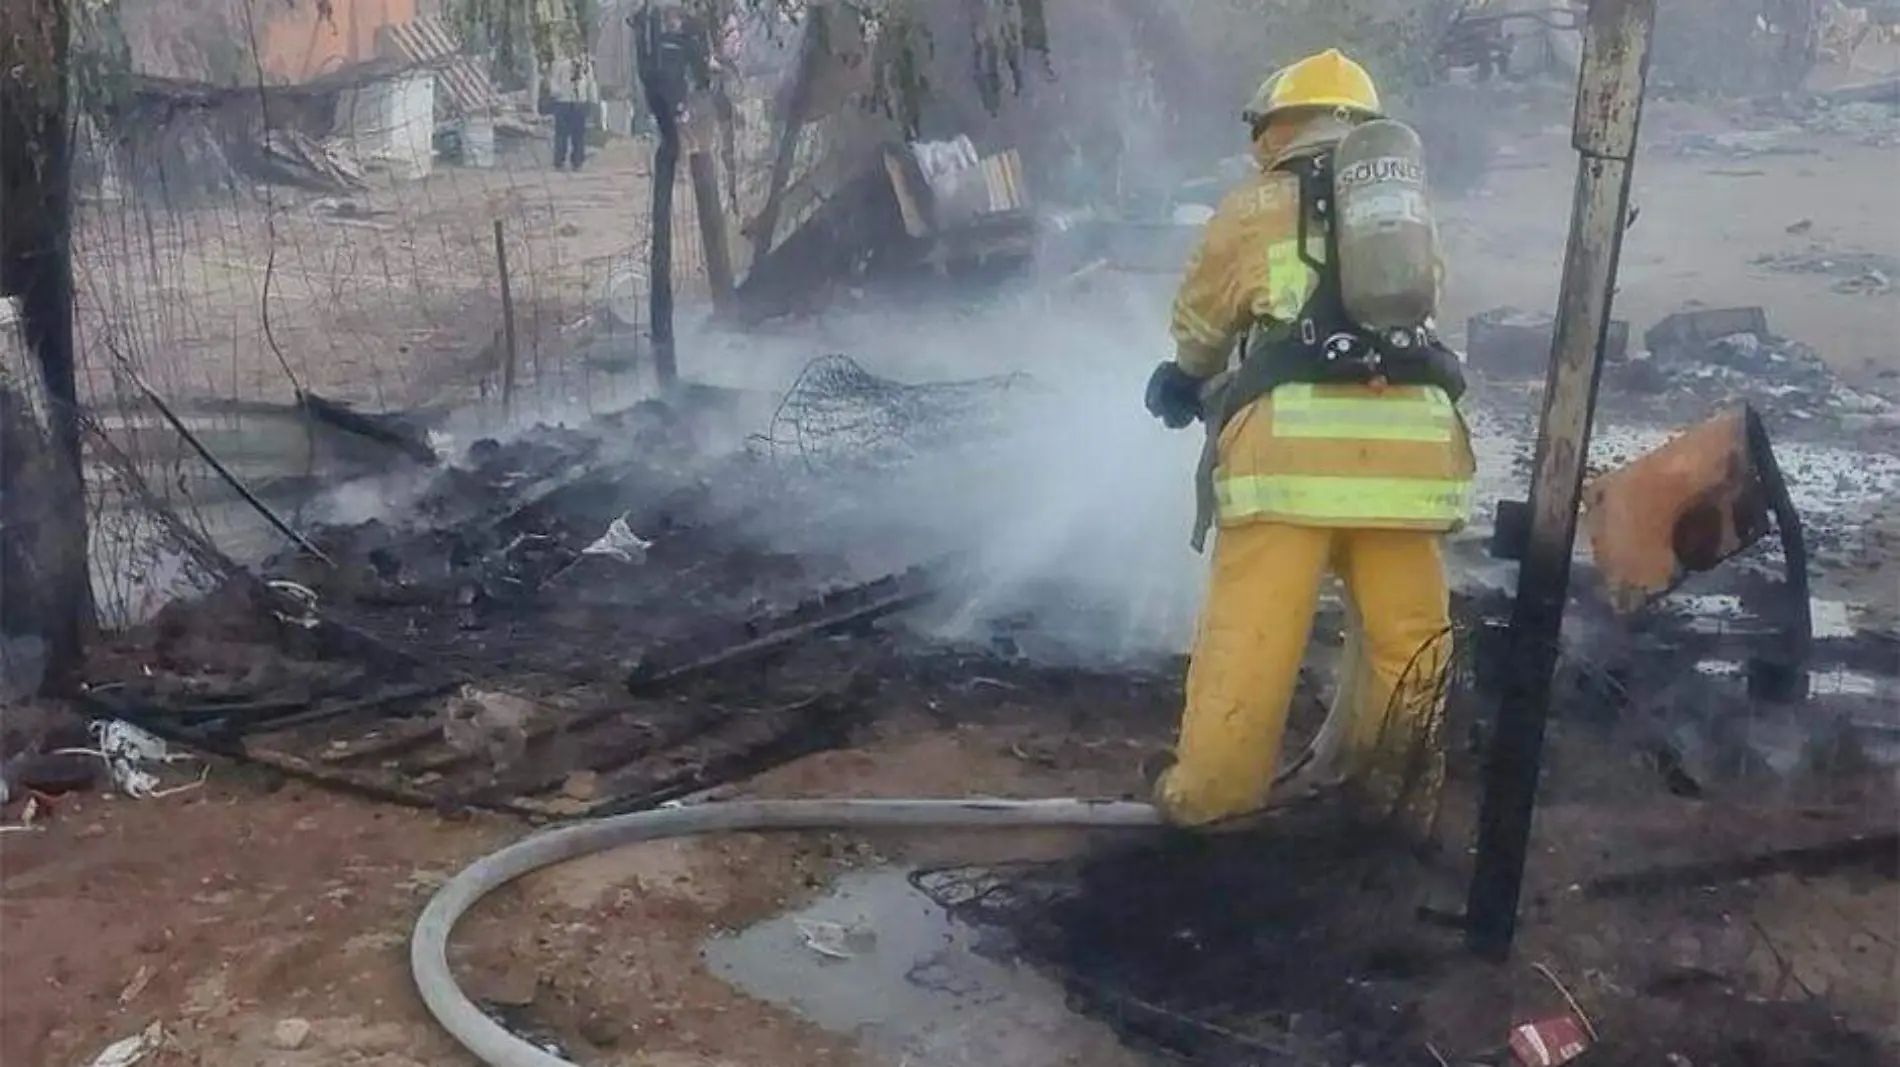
x: 625, y: 293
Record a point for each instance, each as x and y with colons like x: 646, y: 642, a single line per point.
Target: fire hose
x: 492, y: 1044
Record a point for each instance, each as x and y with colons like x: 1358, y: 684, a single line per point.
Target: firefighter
x: 1329, y: 450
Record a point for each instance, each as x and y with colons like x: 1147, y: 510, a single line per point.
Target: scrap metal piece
x: 1693, y: 331
x: 1681, y: 509
x: 1508, y: 343
x: 1701, y: 498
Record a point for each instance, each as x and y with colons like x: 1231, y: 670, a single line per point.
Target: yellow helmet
x: 1327, y: 81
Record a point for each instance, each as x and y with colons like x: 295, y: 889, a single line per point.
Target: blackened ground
x: 1298, y: 941
x: 1319, y: 942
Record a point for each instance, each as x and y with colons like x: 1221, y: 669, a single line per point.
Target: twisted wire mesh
x: 837, y: 412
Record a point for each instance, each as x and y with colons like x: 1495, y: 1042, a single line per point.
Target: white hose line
x: 493, y: 1045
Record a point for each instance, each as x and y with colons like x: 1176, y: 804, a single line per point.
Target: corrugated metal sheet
x: 430, y: 42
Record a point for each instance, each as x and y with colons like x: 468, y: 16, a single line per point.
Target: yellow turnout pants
x: 1253, y: 634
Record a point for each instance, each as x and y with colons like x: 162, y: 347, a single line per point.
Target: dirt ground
x: 1703, y: 223
x: 222, y: 913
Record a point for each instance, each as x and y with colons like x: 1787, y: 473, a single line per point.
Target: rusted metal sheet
x: 1683, y: 508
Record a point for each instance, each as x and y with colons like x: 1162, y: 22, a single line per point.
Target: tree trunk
x: 36, y: 267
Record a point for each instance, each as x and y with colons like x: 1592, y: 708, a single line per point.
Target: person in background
x: 572, y: 95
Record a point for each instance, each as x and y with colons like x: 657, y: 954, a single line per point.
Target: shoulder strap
x: 1315, y: 175
x: 1325, y: 310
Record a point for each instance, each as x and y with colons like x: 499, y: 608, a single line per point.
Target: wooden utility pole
x: 36, y: 268
x: 1616, y: 40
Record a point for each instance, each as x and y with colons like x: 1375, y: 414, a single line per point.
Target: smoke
x: 1062, y: 508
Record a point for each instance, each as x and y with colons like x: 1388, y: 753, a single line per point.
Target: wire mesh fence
x: 344, y: 233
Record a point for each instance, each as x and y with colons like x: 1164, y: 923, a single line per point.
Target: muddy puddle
x: 879, y: 960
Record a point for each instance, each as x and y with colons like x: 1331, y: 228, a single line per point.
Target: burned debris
x: 567, y: 623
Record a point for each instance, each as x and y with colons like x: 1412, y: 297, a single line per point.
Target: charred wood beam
x: 753, y: 728
x: 841, y: 611
x: 324, y: 712
x: 207, y: 722
x: 765, y: 740
x: 229, y: 477
x: 1879, y: 852
x: 233, y: 748
x: 391, y: 430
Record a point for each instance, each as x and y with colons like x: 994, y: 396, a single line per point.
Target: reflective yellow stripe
x: 1308, y: 396
x: 1289, y: 280
x: 1359, y: 426
x: 1195, y: 324
x: 1346, y: 500
x: 1299, y: 412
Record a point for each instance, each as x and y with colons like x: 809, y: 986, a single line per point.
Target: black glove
x: 1174, y: 396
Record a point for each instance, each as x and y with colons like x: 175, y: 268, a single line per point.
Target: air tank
x: 1388, y: 242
